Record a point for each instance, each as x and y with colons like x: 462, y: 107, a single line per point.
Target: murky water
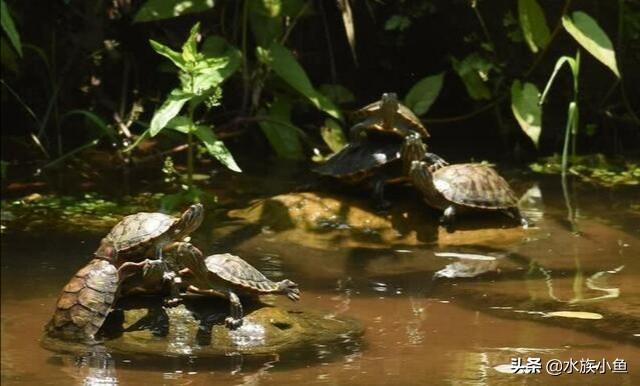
x: 437, y: 308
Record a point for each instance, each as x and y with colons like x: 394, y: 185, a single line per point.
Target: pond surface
x: 437, y: 308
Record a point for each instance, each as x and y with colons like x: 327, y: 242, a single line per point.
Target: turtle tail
x: 290, y: 289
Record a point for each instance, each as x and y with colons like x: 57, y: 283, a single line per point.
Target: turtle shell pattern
x: 238, y: 272
x: 85, y: 302
x: 404, y: 112
x: 138, y: 230
x: 358, y: 160
x: 474, y: 185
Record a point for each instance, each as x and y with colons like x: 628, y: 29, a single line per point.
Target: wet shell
x: 139, y: 229
x: 235, y: 270
x: 405, y: 113
x: 360, y: 159
x: 474, y: 185
x: 85, y: 302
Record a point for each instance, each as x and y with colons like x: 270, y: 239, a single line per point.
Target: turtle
x: 464, y: 187
x: 144, y: 234
x: 225, y: 275
x: 377, y: 161
x: 87, y: 299
x: 386, y: 115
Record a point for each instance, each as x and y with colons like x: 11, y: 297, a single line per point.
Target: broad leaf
x: 280, y: 132
x: 589, y: 35
x: 337, y: 93
x: 424, y: 93
x: 285, y: 65
x: 167, y: 52
x: 169, y: 109
x: 165, y: 9
x: 217, y: 47
x: 525, y: 107
x: 333, y: 135
x: 216, y: 148
x: 474, y: 70
x: 190, y: 47
x: 181, y: 124
x: 10, y: 28
x: 533, y: 24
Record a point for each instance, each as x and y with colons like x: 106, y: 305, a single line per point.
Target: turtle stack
x: 387, y: 145
x: 148, y: 253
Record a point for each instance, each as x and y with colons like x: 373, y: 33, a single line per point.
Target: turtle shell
x: 406, y: 115
x: 474, y: 185
x: 358, y: 160
x: 238, y: 272
x: 85, y: 302
x: 138, y: 230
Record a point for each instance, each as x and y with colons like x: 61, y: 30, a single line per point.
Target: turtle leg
x: 435, y: 161
x: 290, y: 289
x: 448, y: 218
x: 357, y: 131
x: 379, y: 202
x: 516, y: 215
x: 235, y: 319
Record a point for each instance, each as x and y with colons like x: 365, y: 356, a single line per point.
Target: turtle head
x: 389, y: 101
x: 190, y: 220
x: 419, y: 173
x: 413, y: 149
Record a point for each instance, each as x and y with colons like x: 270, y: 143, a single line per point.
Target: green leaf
x: 474, y: 70
x: 217, y: 47
x: 153, y: 10
x: 533, y: 24
x: 93, y: 118
x: 181, y: 124
x: 190, y: 47
x: 167, y: 52
x: 169, y: 109
x: 283, y: 136
x: 589, y: 35
x: 216, y: 148
x: 10, y: 28
x: 526, y: 110
x: 573, y: 65
x: 397, y: 22
x: 333, y: 135
x: 285, y: 65
x: 337, y: 93
x: 424, y: 93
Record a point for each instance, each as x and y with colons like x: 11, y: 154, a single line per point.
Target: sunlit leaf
x: 169, y: 109
x: 10, y: 28
x: 285, y: 65
x: 216, y: 148
x: 280, y: 132
x: 190, y: 46
x: 589, y: 35
x: 181, y: 124
x: 533, y: 24
x: 349, y: 27
x: 337, y: 93
x: 576, y: 314
x: 217, y: 47
x: 526, y: 110
x: 333, y: 135
x: 474, y: 70
x: 167, y: 52
x: 424, y: 93
x: 165, y: 9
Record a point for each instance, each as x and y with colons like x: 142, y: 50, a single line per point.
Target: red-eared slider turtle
x: 464, y: 187
x: 376, y: 161
x: 227, y: 276
x: 386, y: 115
x: 143, y: 234
x: 88, y: 297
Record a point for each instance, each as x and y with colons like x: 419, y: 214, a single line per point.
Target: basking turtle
x: 227, y: 276
x: 88, y: 297
x: 386, y: 115
x: 464, y: 187
x: 144, y: 234
x: 377, y: 160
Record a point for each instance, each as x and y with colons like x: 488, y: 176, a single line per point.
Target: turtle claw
x: 172, y: 302
x: 232, y: 323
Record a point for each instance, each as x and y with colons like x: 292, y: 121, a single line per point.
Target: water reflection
x: 97, y: 368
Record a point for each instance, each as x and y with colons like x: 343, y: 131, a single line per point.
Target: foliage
x: 596, y: 169
x: 9, y: 27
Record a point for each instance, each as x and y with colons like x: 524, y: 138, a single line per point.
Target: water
x: 437, y: 308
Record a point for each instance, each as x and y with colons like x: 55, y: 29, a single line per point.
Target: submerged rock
x: 197, y: 328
